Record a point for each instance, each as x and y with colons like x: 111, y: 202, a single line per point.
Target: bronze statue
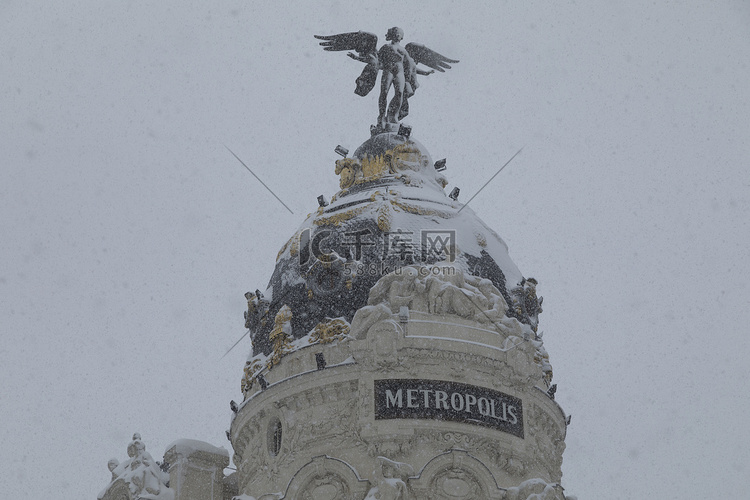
x: 399, y: 65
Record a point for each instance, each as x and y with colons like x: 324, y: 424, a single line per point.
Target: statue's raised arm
x: 399, y: 66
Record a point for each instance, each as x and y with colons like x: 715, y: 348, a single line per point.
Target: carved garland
x: 413, y: 209
x: 549, y: 440
x: 329, y: 331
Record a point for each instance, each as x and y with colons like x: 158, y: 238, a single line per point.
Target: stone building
x: 395, y: 356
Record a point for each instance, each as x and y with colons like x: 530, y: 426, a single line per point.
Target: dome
x: 392, y: 212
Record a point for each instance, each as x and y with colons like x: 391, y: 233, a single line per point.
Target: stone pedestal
x: 196, y: 470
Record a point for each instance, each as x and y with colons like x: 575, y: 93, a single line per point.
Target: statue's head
x: 394, y: 34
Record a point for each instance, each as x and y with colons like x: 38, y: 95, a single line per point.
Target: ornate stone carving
x: 493, y: 451
x: 446, y: 292
x: 542, y: 359
x: 329, y: 331
x: 281, y: 336
x: 454, y: 293
x: 252, y: 367
x: 354, y: 171
x: 510, y: 373
x: 327, y: 485
x: 389, y: 480
x: 347, y: 169
x: 454, y: 483
x: 526, y: 303
x: 549, y: 439
x: 257, y: 308
x: 455, y: 475
x: 326, y: 478
x: 140, y: 473
x: 247, y: 443
x: 535, y: 489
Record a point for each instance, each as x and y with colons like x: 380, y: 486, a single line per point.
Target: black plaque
x: 450, y: 401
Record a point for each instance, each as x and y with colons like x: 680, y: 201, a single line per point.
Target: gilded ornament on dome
x: 329, y: 331
x: 327, y: 260
x: 374, y: 167
x: 347, y: 169
x: 406, y: 156
x: 278, y: 255
x: 337, y: 219
x: 294, y: 247
x: 414, y: 209
x: 280, y: 336
x: 352, y: 171
x: 384, y: 219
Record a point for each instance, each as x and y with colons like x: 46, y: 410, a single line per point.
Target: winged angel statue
x: 399, y: 65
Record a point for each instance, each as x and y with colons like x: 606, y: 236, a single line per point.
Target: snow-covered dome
x: 391, y: 212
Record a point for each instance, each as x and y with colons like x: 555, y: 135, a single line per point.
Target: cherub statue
x: 385, y: 485
x: 399, y: 65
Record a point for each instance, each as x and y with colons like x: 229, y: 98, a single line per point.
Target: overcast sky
x: 129, y: 233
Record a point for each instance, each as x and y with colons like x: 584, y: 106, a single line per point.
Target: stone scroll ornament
x: 399, y: 66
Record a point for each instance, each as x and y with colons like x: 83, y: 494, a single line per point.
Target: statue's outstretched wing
x: 359, y: 41
x: 366, y: 46
x: 428, y: 57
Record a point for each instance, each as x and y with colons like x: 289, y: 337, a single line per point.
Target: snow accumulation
x: 536, y: 489
x: 140, y: 474
x: 187, y: 447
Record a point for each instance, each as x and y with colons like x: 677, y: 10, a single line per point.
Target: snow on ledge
x: 187, y: 447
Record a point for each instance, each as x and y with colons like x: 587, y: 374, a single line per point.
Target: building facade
x: 402, y: 360
x: 395, y: 356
